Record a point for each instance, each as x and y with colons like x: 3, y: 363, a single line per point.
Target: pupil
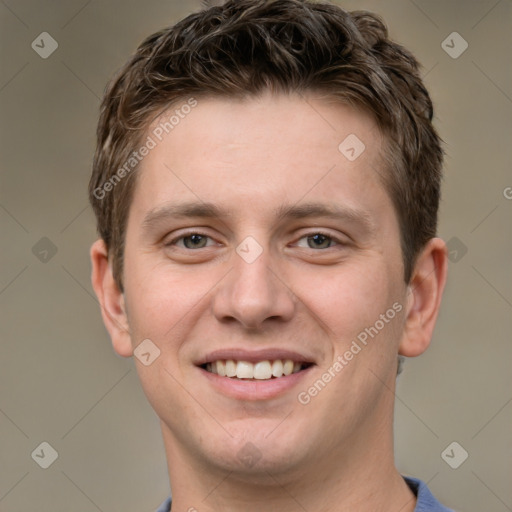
x: 319, y: 240
x: 194, y: 241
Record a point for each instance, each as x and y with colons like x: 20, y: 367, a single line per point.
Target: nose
x: 253, y: 294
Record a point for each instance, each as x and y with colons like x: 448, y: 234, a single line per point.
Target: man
x: 266, y: 185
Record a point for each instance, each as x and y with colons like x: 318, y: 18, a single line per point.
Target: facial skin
x: 254, y: 160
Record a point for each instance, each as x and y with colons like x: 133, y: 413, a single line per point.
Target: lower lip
x: 255, y: 389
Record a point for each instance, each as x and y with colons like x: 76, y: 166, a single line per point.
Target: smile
x: 260, y: 370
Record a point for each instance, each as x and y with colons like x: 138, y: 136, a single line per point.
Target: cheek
x: 347, y: 299
x: 162, y: 303
x: 360, y: 310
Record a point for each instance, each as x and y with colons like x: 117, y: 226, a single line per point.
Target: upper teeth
x: 261, y: 370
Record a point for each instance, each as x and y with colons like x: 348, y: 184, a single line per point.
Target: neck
x: 360, y: 475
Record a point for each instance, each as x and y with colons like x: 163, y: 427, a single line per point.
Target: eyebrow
x: 209, y: 210
x: 182, y: 210
x: 326, y: 210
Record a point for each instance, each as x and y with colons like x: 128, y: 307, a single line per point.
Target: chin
x: 253, y: 458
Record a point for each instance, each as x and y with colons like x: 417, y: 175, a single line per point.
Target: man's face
x: 253, y: 237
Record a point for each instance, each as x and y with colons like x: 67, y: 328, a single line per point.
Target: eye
x: 192, y: 241
x: 316, y: 241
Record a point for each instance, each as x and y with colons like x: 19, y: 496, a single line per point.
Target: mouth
x: 263, y: 370
x: 257, y: 374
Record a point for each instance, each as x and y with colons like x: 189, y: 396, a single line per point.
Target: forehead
x: 273, y: 148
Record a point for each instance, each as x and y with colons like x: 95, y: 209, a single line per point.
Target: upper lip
x: 253, y: 356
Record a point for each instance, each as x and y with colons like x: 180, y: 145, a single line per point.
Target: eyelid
x: 185, y: 234
x: 336, y: 239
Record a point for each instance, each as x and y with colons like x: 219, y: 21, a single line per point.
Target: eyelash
x: 187, y: 235
x: 333, y: 240
x: 174, y: 241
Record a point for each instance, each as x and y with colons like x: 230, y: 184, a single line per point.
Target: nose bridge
x: 252, y: 293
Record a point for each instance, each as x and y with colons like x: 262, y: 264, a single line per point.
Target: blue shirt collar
x: 425, y: 499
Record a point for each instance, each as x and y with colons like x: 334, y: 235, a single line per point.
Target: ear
x: 424, y: 298
x: 113, y: 309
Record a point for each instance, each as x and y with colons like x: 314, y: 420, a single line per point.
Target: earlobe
x: 111, y: 299
x: 424, y: 298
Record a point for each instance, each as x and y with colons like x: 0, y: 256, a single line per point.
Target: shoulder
x: 426, y: 502
x: 165, y: 506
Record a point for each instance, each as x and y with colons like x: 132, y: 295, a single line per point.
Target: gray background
x: 61, y: 382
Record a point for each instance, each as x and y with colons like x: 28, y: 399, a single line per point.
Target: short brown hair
x: 244, y: 47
